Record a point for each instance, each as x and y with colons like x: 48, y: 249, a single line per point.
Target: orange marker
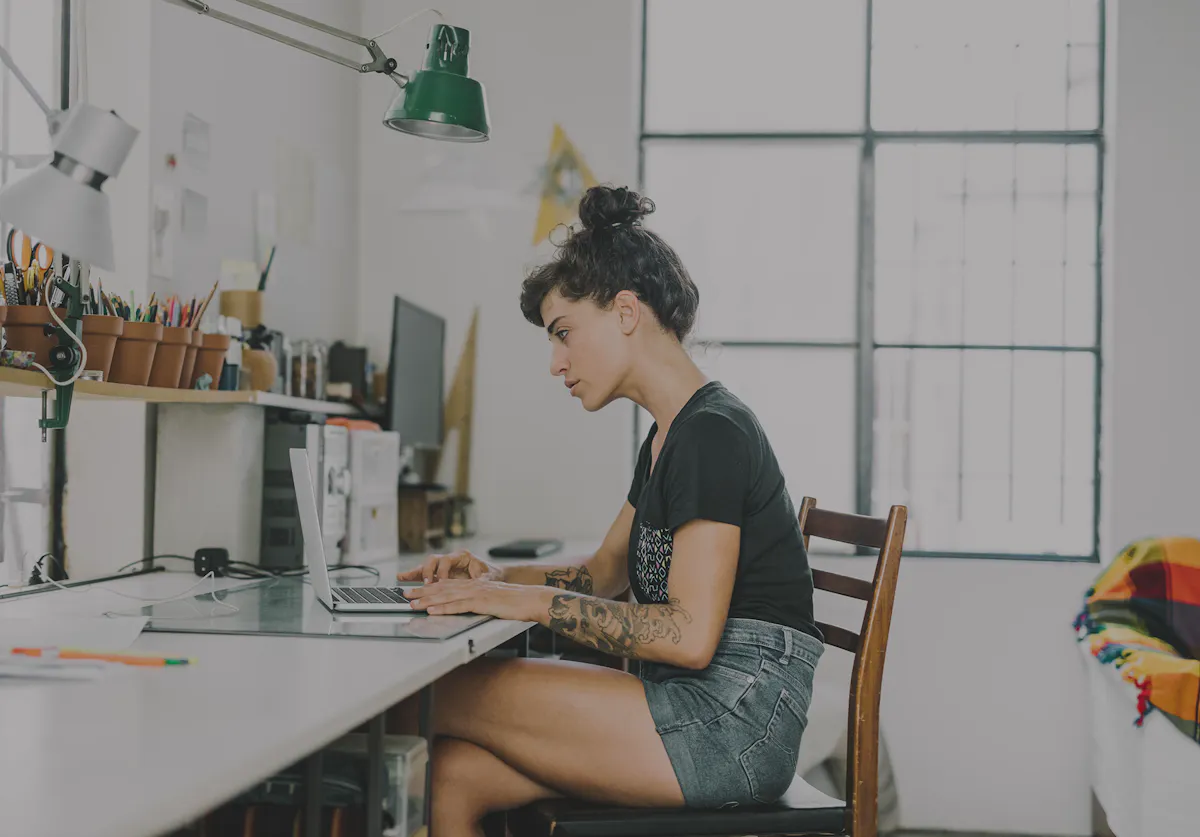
x: 127, y: 659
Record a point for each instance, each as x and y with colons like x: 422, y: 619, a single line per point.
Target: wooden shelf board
x: 26, y: 383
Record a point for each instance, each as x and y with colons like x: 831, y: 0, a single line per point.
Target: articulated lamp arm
x: 379, y: 62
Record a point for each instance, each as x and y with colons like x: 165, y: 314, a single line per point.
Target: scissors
x: 25, y: 253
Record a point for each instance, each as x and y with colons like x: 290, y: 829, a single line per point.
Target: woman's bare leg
x: 580, y: 730
x: 471, y: 783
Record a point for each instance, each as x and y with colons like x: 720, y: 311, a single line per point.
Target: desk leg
x: 425, y: 730
x: 375, y: 775
x: 312, y: 795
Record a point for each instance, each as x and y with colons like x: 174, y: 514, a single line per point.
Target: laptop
x: 337, y: 599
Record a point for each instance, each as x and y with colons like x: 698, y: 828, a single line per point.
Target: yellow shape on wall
x: 565, y: 179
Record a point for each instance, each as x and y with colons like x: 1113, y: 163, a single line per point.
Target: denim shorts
x: 732, y: 730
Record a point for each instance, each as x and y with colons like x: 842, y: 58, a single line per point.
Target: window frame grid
x: 865, y: 345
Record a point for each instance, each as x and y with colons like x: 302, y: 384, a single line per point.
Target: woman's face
x: 591, y: 346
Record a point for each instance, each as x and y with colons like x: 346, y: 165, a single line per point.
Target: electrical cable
x: 408, y: 19
x: 151, y: 600
x: 82, y: 348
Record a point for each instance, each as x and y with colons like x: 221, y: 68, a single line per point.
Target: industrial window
x: 892, y: 212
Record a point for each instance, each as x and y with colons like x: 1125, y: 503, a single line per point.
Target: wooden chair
x: 803, y: 810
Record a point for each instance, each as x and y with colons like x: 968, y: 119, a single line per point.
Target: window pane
x: 986, y: 244
x: 805, y: 401
x: 767, y: 230
x: 755, y: 65
x: 961, y: 65
x: 992, y: 451
x: 810, y: 427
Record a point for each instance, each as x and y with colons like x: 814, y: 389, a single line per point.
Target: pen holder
x: 100, y: 335
x: 189, y: 360
x: 168, y: 360
x: 25, y: 326
x: 134, y: 356
x: 210, y: 359
x: 247, y: 306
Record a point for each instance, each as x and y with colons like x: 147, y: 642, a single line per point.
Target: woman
x: 707, y: 539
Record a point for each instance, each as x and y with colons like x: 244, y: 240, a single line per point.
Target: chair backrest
x: 869, y: 645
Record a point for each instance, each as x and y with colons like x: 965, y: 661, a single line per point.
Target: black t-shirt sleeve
x: 640, y: 469
x: 708, y: 473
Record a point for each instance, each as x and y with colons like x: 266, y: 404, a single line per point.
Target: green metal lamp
x: 441, y: 101
x: 438, y: 102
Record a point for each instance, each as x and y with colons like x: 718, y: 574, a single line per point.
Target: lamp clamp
x: 65, y: 357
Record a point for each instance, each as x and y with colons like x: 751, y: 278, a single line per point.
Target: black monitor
x: 415, y: 376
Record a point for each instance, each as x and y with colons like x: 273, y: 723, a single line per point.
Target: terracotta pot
x: 189, y: 361
x: 100, y: 334
x: 168, y: 359
x: 25, y: 326
x: 134, y: 356
x: 210, y: 358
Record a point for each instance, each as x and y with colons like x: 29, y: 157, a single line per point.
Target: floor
x: 949, y: 834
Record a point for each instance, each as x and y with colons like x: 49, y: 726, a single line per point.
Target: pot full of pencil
x: 139, y: 340
x: 27, y: 281
x: 182, y: 340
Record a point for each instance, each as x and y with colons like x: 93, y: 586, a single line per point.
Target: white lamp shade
x: 66, y: 215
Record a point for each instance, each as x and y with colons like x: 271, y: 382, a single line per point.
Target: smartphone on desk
x: 526, y: 548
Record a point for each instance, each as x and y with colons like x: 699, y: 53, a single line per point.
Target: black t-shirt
x: 716, y: 464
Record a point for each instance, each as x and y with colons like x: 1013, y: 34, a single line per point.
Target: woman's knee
x: 461, y: 778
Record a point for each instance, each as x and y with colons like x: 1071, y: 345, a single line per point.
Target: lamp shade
x: 60, y: 203
x: 67, y: 215
x: 440, y: 101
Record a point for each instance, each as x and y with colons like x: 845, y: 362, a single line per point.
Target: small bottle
x: 285, y: 365
x: 231, y: 371
x: 319, y: 362
x: 300, y: 370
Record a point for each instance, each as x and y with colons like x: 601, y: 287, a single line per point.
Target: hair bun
x: 606, y: 206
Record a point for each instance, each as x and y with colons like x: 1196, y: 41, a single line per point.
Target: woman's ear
x: 629, y: 310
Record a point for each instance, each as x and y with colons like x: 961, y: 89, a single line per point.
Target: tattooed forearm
x: 575, y: 579
x: 616, y: 628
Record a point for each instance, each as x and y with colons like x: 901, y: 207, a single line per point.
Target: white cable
x: 176, y: 597
x: 408, y: 19
x: 212, y: 614
x: 82, y: 348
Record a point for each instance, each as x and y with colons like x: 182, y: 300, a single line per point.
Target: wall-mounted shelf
x: 24, y: 383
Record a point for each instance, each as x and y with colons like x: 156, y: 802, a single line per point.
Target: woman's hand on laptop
x: 461, y: 564
x: 520, y: 602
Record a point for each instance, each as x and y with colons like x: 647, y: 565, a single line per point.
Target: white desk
x: 144, y: 751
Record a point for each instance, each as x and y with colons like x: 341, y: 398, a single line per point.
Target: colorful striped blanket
x: 1142, y: 614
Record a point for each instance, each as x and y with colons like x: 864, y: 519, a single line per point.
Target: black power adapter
x: 213, y: 560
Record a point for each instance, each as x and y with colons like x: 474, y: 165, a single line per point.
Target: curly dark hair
x: 613, y: 253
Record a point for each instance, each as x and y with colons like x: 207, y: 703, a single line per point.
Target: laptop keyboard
x: 371, y: 595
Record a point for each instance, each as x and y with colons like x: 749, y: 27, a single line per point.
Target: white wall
x: 1155, y: 393
x: 540, y: 465
x: 983, y: 696
x: 259, y: 98
x: 104, y: 517
x: 153, y: 63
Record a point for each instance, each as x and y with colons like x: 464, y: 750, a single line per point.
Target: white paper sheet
x: 89, y: 633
